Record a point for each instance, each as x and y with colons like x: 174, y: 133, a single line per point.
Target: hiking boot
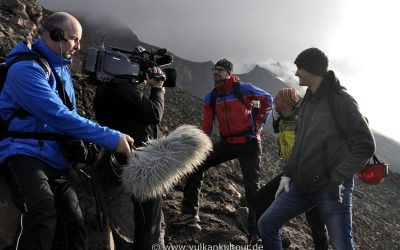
x: 285, y: 242
x: 188, y: 220
x: 254, y: 240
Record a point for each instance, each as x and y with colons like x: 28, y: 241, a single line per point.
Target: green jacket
x: 321, y: 151
x: 287, y: 133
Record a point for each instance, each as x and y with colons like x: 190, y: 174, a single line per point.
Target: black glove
x: 335, y: 189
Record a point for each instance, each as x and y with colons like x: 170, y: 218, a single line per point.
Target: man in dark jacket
x: 287, y: 103
x: 240, y: 139
x: 38, y: 165
x: 328, y: 151
x: 122, y: 105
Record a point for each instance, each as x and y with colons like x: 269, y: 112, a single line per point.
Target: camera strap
x: 61, y: 91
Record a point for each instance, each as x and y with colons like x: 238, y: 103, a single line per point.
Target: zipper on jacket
x: 299, y: 134
x: 226, y: 117
x: 301, y: 129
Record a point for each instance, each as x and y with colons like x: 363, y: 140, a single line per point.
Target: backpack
x: 236, y: 92
x: 74, y: 149
x: 22, y: 57
x: 40, y: 59
x: 373, y: 172
x: 238, y: 95
x: 3, y: 75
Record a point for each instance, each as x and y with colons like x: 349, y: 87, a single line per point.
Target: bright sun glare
x: 366, y: 43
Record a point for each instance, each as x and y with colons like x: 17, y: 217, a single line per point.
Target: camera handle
x: 156, y: 76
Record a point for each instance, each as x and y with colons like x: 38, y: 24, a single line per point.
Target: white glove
x: 284, y: 184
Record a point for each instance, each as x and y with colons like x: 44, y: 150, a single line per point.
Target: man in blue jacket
x: 38, y: 165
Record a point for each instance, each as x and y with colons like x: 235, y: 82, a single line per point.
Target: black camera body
x: 107, y: 64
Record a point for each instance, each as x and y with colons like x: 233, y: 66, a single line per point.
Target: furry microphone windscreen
x: 155, y: 168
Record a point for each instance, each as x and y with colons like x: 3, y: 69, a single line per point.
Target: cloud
x: 207, y: 30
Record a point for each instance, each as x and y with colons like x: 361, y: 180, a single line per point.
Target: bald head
x: 61, y: 20
x: 62, y: 32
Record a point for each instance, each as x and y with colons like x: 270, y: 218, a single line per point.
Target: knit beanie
x: 226, y: 64
x: 289, y: 95
x: 313, y: 60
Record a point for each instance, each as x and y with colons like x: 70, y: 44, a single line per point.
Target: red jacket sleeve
x: 208, y: 119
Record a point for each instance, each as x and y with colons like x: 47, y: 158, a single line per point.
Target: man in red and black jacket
x: 240, y: 132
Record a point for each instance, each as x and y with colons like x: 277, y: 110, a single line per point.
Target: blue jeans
x: 266, y: 195
x: 288, y: 205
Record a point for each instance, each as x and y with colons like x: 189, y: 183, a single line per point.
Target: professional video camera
x: 107, y: 64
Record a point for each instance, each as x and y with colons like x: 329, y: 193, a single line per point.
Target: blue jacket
x: 26, y: 87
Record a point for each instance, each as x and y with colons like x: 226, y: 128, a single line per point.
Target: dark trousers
x: 47, y: 195
x: 148, y: 217
x: 148, y: 224
x: 266, y: 195
x: 249, y: 156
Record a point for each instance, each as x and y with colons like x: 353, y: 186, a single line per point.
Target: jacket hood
x: 40, y: 45
x: 20, y: 48
x: 330, y: 83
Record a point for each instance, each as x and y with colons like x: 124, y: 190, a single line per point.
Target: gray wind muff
x: 155, y: 168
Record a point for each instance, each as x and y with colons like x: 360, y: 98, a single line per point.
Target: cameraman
x: 121, y: 104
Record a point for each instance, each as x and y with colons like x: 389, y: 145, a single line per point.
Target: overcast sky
x: 360, y: 38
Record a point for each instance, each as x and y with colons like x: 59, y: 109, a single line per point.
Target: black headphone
x: 57, y: 34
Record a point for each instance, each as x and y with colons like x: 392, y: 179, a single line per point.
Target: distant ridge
x: 264, y: 79
x: 195, y: 77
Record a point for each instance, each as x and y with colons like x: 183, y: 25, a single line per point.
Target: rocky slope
x: 376, y: 218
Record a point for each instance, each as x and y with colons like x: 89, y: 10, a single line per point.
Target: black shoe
x: 191, y: 221
x: 285, y: 242
x: 254, y: 240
